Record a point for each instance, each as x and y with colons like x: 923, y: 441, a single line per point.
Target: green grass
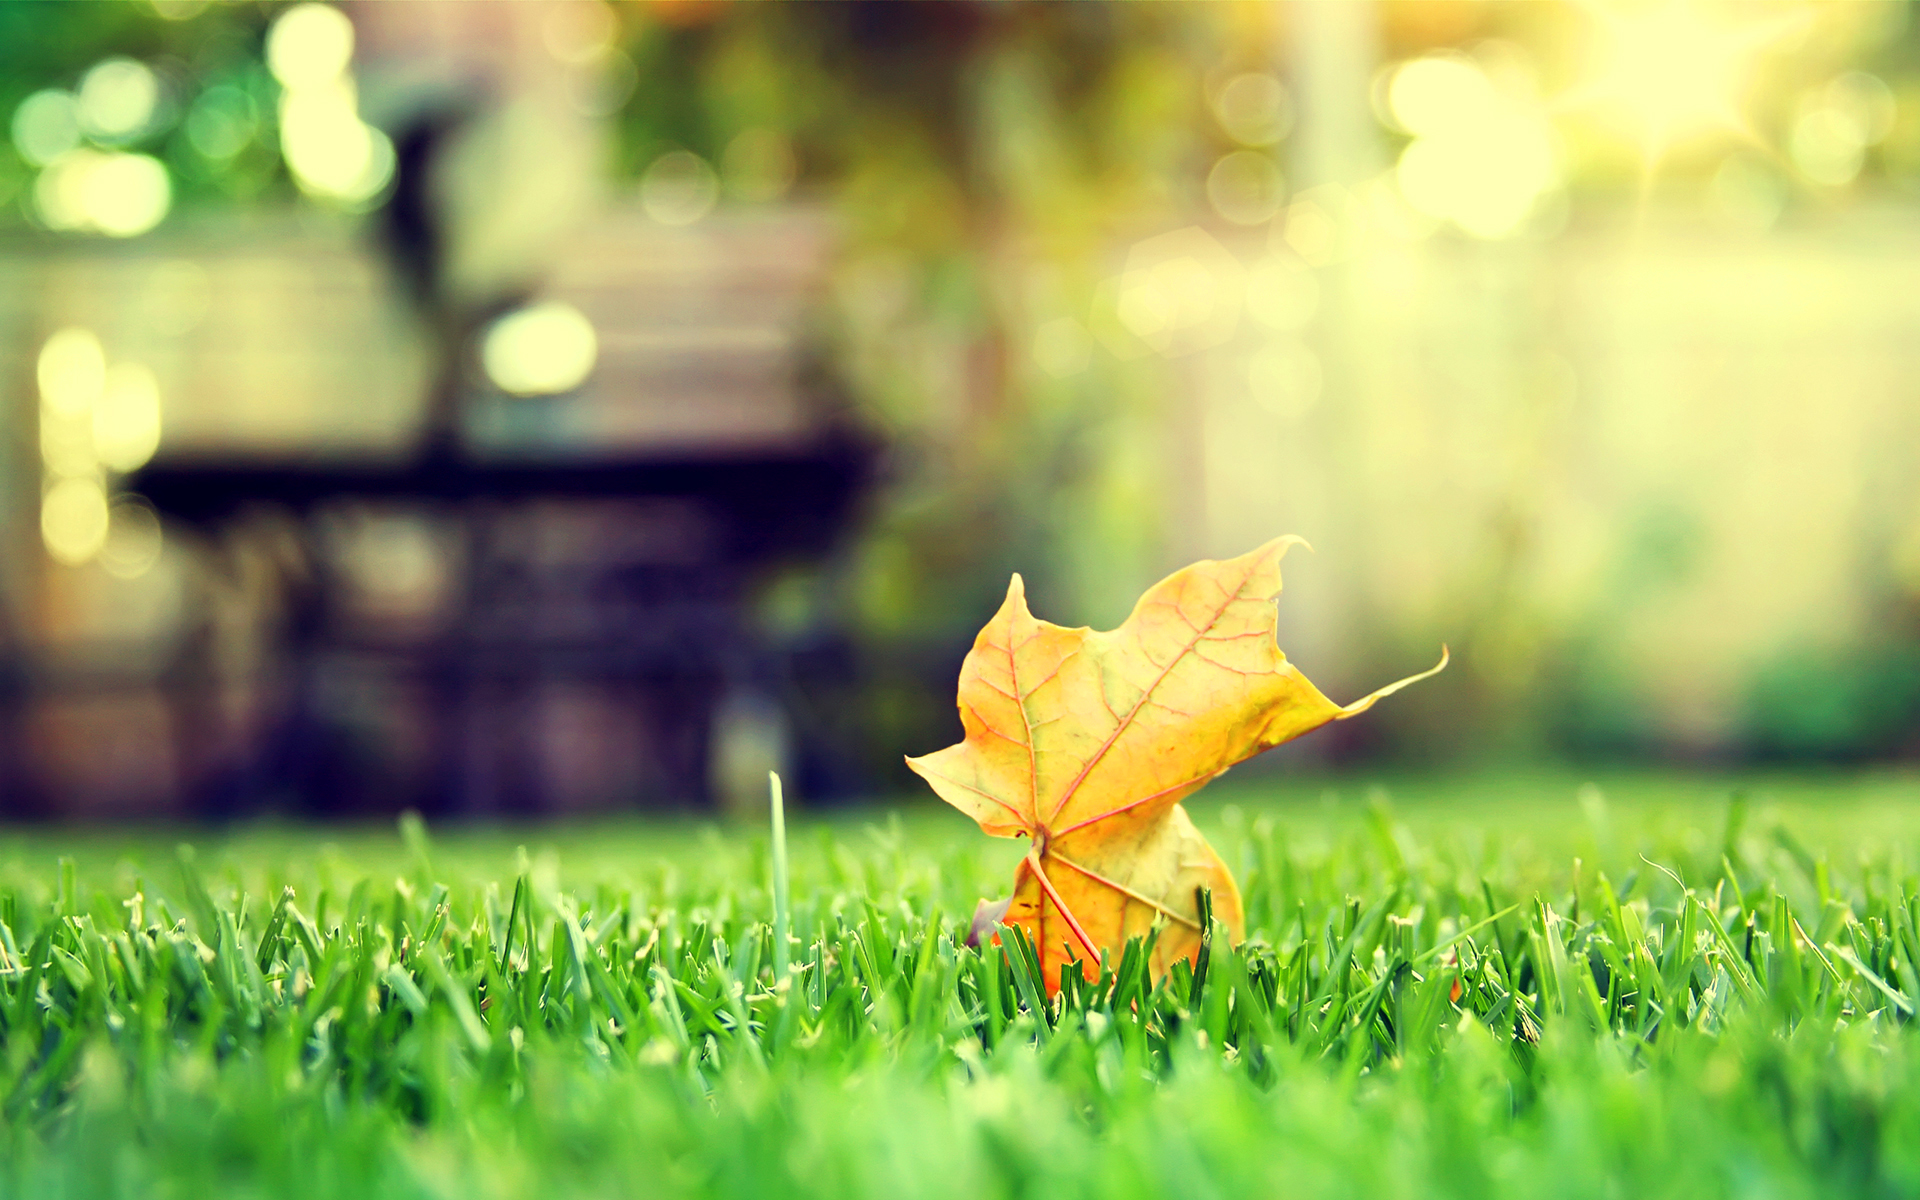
x: 1477, y: 988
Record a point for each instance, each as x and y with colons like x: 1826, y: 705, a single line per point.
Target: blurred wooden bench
x: 495, y: 604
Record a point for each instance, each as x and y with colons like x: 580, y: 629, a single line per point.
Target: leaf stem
x: 1073, y: 922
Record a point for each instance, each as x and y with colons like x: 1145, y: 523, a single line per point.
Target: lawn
x: 1476, y: 987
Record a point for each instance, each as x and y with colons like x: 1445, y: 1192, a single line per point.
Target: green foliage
x: 1448, y: 1013
x: 1821, y: 704
x: 210, y: 66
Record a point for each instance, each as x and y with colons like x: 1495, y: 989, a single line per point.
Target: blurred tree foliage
x: 984, y: 160
x: 210, y: 67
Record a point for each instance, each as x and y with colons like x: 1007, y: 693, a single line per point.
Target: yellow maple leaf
x: 1086, y: 742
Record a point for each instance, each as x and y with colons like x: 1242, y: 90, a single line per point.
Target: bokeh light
x: 126, y: 419
x: 1180, y: 292
x: 758, y: 166
x: 66, y: 444
x: 127, y: 194
x: 1828, y: 144
x: 1867, y: 98
x: 45, y: 126
x: 1479, y: 158
x: 118, y: 100
x: 541, y: 350
x: 602, y: 85
x: 134, y: 539
x: 330, y: 150
x: 332, y: 153
x: 1438, y: 94
x: 1246, y: 187
x: 1835, y: 125
x: 71, y: 372
x: 73, y: 520
x: 394, y: 561
x: 679, y: 188
x: 60, y: 191
x: 222, y: 122
x: 309, y: 46
x: 584, y: 35
x: 1254, y: 108
x: 110, y: 192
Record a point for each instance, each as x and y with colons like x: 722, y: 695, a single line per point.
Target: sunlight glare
x: 1675, y: 71
x: 1670, y: 73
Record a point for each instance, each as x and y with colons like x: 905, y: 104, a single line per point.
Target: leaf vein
x: 1127, y: 721
x: 990, y: 728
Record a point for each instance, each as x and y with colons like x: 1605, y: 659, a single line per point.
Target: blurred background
x: 559, y: 406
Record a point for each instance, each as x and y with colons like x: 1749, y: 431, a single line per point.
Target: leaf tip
x: 1365, y: 702
x: 1276, y: 549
